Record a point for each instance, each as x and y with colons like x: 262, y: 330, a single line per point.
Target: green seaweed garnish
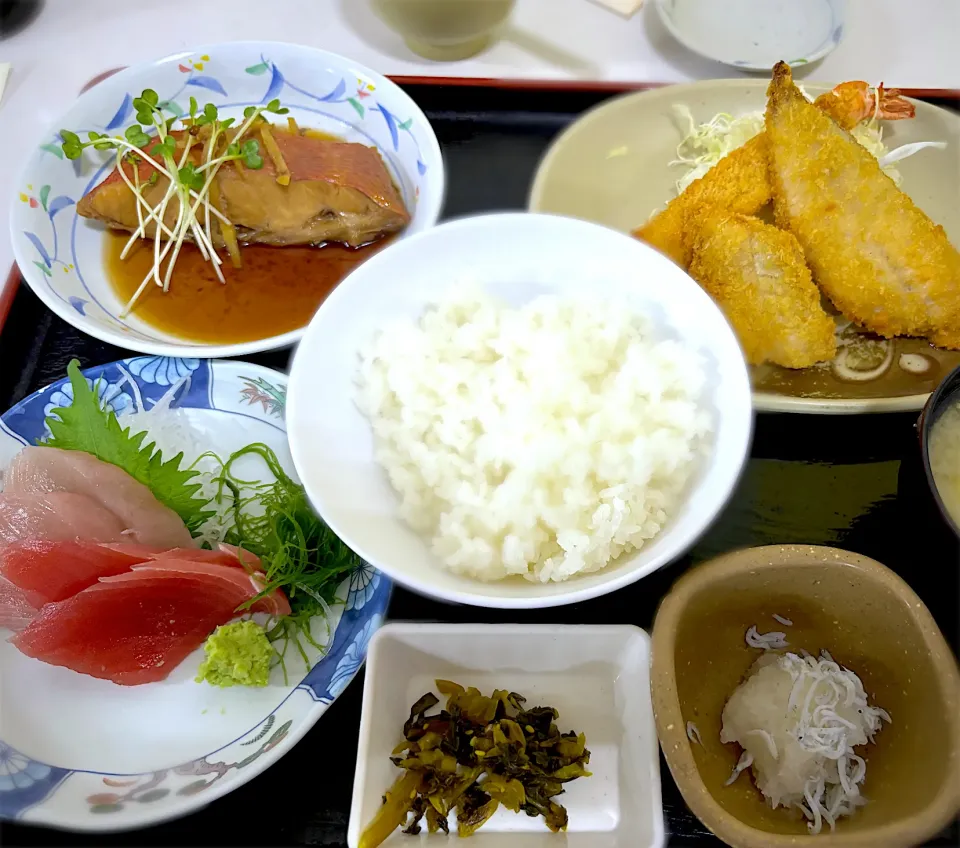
x: 298, y: 552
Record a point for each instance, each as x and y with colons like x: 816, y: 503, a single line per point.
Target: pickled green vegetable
x: 474, y: 755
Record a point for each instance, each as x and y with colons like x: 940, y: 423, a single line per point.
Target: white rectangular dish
x: 597, y: 677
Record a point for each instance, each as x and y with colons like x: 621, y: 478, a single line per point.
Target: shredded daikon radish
x: 170, y: 429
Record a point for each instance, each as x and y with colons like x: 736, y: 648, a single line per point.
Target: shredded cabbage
x: 704, y: 145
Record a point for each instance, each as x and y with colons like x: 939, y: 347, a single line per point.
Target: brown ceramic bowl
x: 872, y: 623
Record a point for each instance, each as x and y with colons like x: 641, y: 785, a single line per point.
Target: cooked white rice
x: 542, y: 441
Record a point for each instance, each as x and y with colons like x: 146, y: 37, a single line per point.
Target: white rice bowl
x: 570, y: 493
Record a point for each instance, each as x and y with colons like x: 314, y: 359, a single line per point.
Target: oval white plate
x: 753, y: 35
x: 61, y: 255
x: 130, y: 756
x: 612, y: 166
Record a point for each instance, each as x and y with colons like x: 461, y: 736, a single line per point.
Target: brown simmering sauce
x: 277, y: 290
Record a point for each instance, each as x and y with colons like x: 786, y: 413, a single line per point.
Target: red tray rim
x: 601, y: 86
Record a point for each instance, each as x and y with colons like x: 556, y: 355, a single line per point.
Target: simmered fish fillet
x: 40, y: 470
x: 758, y: 276
x: 873, y: 252
x: 338, y: 191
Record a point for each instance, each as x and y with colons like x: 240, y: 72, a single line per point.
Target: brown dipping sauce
x: 277, y: 290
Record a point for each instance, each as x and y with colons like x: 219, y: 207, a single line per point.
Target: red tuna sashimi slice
x: 273, y: 604
x: 144, y: 552
x: 57, y: 516
x: 132, y: 628
x: 224, y: 555
x: 16, y: 612
x: 39, y: 470
x: 246, y: 558
x: 51, y: 571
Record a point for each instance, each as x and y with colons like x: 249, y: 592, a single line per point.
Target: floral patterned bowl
x: 130, y: 756
x: 61, y: 255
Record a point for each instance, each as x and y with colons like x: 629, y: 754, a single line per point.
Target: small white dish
x: 515, y: 257
x: 61, y: 255
x: 753, y: 35
x: 597, y: 677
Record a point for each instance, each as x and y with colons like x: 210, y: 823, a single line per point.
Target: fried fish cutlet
x: 737, y: 183
x: 881, y: 261
x: 758, y: 276
x: 740, y: 182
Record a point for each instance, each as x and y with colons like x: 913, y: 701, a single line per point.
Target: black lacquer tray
x: 855, y: 482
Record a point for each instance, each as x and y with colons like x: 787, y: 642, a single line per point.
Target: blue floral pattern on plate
x: 351, y: 660
x: 61, y: 255
x: 110, y: 396
x: 363, y: 586
x: 18, y: 771
x: 33, y: 788
x: 162, y: 370
x: 23, y: 781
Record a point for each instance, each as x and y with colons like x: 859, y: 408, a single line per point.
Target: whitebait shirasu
x: 820, y: 687
x: 766, y: 641
x: 767, y: 737
x: 745, y: 761
x: 786, y: 622
x: 693, y: 733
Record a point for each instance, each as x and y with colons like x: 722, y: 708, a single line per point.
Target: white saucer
x: 754, y: 35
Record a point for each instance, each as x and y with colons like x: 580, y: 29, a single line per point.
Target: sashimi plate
x: 85, y: 754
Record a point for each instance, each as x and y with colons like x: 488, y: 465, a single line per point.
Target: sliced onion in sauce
x: 915, y: 363
x: 845, y: 372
